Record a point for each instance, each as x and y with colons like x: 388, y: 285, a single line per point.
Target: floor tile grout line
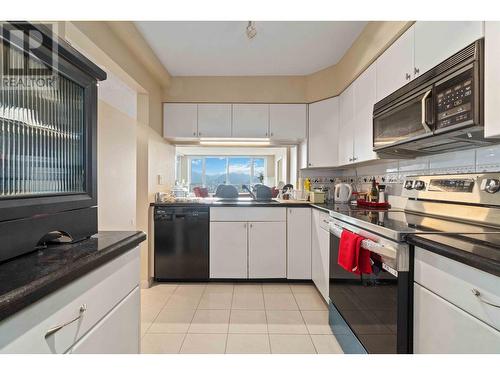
x: 267, y: 325
x: 191, y: 322
x: 163, y: 306
x: 229, y: 322
x: 307, y: 328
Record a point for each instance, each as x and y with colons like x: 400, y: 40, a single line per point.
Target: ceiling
x: 221, y: 48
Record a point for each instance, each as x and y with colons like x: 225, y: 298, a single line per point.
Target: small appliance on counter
x: 317, y: 196
x: 342, y: 192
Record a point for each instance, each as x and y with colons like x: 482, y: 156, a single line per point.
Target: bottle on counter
x: 374, y: 191
x: 307, y: 188
x: 381, y: 193
x: 307, y: 184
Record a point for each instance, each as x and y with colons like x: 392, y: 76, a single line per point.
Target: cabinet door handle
x: 251, y: 225
x: 477, y: 293
x: 272, y: 134
x: 416, y: 71
x: 56, y: 328
x: 194, y: 133
x: 199, y: 133
x: 350, y: 159
x: 408, y: 76
x: 244, y: 225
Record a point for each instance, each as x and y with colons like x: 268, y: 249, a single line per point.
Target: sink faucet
x: 245, y: 187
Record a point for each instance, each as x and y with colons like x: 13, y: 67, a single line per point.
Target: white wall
x: 117, y: 94
x: 117, y: 153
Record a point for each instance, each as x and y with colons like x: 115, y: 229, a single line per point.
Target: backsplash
x: 392, y: 173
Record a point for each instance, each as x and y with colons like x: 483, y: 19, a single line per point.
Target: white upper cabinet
x: 180, y: 120
x: 365, y: 96
x: 435, y: 41
x: 395, y: 65
x: 288, y: 122
x: 251, y: 120
x: 214, y: 120
x: 323, y: 133
x: 346, y: 126
x: 491, y: 78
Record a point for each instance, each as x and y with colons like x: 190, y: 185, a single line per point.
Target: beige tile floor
x: 211, y: 318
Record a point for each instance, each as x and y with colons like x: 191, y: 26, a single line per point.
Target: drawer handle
x: 54, y: 329
x: 477, y: 293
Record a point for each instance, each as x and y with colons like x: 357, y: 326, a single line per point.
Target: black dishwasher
x: 181, y: 243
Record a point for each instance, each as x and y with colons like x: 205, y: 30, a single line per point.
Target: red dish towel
x: 352, y: 257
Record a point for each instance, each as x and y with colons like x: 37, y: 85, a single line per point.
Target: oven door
x: 374, y: 306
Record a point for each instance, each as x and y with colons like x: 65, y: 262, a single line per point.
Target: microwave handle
x: 424, y: 112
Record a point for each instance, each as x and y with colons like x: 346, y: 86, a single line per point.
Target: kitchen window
x: 211, y: 171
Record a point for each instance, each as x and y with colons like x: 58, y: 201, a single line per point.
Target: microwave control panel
x: 455, y: 102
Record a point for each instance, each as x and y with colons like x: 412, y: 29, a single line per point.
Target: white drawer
x: 455, y: 282
x: 324, y: 220
x: 117, y: 333
x: 247, y: 214
x: 441, y: 327
x: 100, y: 290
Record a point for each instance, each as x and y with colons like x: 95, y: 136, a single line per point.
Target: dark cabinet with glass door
x: 48, y: 143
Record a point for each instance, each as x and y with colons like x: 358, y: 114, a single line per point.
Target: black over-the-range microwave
x: 442, y: 110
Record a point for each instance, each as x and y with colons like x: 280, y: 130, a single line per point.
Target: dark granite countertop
x: 275, y: 203
x: 26, y: 279
x: 481, y: 251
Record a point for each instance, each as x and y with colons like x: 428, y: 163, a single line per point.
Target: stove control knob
x: 492, y: 185
x: 408, y: 184
x: 419, y: 185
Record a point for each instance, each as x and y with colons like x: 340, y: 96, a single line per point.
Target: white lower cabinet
x: 117, y: 333
x: 228, y: 250
x: 440, y: 327
x: 267, y: 250
x: 111, y: 296
x: 247, y: 242
x: 320, y: 253
x: 299, y: 243
x: 449, y: 314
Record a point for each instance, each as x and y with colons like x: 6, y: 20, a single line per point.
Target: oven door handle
x: 367, y: 244
x: 424, y: 112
